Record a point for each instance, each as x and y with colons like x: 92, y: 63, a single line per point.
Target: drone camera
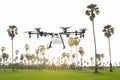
x: 67, y: 35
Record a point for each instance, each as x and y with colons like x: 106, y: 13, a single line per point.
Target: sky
x: 52, y: 14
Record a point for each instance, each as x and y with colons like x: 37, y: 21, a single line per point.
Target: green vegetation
x: 58, y: 75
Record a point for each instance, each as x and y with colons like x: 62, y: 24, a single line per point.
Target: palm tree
x: 68, y: 56
x: 81, y: 51
x: 73, y: 56
x: 28, y: 57
x: 102, y: 56
x: 37, y: 53
x: 16, y: 52
x: 7, y: 56
x: 4, y: 56
x: 21, y: 58
x: 42, y: 49
x: 63, y: 56
x: 91, y: 58
x: 12, y: 32
x: 91, y: 11
x: 48, y: 48
x: 32, y: 58
x: 108, y: 31
x: 71, y: 43
x: 76, y: 43
x: 98, y: 56
x: 26, y: 47
x: 3, y: 49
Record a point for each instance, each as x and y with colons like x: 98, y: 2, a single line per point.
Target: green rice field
x: 58, y: 75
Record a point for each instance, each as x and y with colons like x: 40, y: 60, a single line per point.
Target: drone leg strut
x: 62, y: 41
x: 50, y: 44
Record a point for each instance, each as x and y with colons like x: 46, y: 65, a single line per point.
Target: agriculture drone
x: 38, y: 32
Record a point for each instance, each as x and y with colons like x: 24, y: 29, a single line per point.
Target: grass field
x: 58, y: 75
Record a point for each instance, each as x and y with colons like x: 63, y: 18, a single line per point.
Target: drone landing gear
x: 50, y: 44
x: 62, y: 41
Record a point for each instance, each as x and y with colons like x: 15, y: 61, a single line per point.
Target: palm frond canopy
x: 12, y: 31
x: 37, y: 51
x: 87, y: 12
x: 68, y: 55
x: 64, y: 54
x: 92, y: 10
x: 76, y: 41
x: 26, y: 47
x: 3, y: 49
x: 108, y: 30
x: 16, y: 51
x: 71, y: 41
x: 81, y: 51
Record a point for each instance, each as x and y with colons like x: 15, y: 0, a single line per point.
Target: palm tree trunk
x: 110, y: 55
x: 37, y: 59
x: 40, y: 58
x: 29, y: 49
x: 71, y: 56
x: 48, y: 56
x: 91, y: 64
x: 12, y: 57
x: 96, y: 67
x: 81, y: 63
x: 77, y: 57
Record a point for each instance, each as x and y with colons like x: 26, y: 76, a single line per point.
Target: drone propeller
x: 41, y: 33
x: 83, y: 30
x: 29, y: 32
x: 65, y: 29
x: 38, y: 29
